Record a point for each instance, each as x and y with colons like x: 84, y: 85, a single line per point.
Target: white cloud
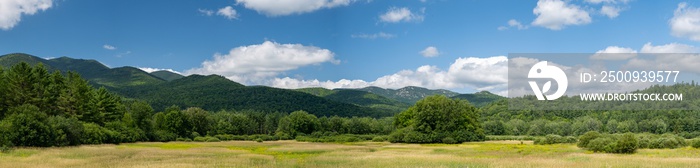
x: 109, y: 47
x: 686, y: 22
x: 669, y: 48
x: 557, y: 14
x: 227, y: 12
x: 374, y: 36
x: 206, y: 12
x: 395, y: 15
x: 430, y: 52
x: 476, y: 73
x: 513, y: 23
x: 123, y: 54
x: 150, y: 70
x: 254, y: 64
x: 610, y: 11
x: 11, y: 11
x: 288, y: 7
x: 614, y: 53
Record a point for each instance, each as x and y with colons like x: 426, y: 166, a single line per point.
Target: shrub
x: 449, y: 140
x: 259, y: 140
x: 212, y: 139
x: 627, y: 143
x: 602, y: 144
x: 379, y: 139
x: 696, y: 143
x: 584, y: 139
x: 164, y: 136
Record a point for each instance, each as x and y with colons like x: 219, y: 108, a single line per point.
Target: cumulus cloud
x: 614, y: 53
x: 227, y: 12
x: 288, y: 7
x: 395, y: 15
x: 557, y: 14
x: 374, y: 36
x: 489, y: 73
x: 686, y: 22
x: 430, y: 52
x: 109, y: 47
x: 11, y: 11
x: 257, y: 63
x: 150, y: 70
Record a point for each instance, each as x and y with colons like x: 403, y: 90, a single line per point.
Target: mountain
x: 480, y: 99
x: 358, y: 97
x: 410, y: 94
x: 215, y: 92
x: 93, y: 71
x: 167, y: 75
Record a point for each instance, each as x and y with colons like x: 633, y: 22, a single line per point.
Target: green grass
x: 337, y: 155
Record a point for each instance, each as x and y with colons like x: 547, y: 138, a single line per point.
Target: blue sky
x: 342, y: 43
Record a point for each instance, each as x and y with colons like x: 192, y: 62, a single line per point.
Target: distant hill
x: 358, y: 97
x: 167, y: 75
x: 410, y: 94
x: 480, y: 99
x: 215, y: 92
x: 92, y: 70
x: 163, y: 89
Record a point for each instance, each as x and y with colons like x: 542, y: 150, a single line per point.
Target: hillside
x: 409, y: 94
x: 93, y: 71
x: 167, y: 75
x: 480, y: 99
x: 358, y: 97
x: 215, y: 92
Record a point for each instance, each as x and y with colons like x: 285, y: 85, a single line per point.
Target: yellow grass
x: 364, y: 154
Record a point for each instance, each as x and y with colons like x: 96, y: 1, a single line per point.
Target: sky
x: 459, y: 45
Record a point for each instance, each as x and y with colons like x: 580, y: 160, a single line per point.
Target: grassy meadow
x: 363, y: 154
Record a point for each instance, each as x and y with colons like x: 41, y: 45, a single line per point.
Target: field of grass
x: 362, y: 154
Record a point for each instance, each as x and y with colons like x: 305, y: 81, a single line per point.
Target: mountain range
x: 213, y: 92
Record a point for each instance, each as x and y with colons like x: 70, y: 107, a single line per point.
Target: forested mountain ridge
x: 409, y: 94
x: 480, y: 99
x: 93, y: 71
x: 358, y: 97
x: 167, y: 75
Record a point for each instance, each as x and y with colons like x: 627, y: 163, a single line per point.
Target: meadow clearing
x: 361, y: 154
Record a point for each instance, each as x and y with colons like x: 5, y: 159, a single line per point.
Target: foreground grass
x: 364, y: 154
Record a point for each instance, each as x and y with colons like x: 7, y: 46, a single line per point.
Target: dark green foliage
x: 602, y: 144
x: 28, y: 127
x: 206, y: 139
x: 437, y: 117
x: 627, y: 143
x: 199, y: 120
x: 695, y: 143
x: 68, y: 130
x: 480, y: 99
x: 494, y: 128
x: 586, y: 138
x: 298, y: 122
x: 96, y: 134
x: 176, y: 122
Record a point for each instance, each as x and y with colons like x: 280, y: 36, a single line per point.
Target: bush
x: 164, y: 136
x: 379, y: 139
x: 95, y: 134
x: 206, y: 139
x: 584, y: 139
x: 259, y: 140
x: 696, y: 143
x: 602, y: 144
x: 627, y: 143
x: 449, y: 140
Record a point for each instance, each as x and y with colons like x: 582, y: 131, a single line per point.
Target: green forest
x: 39, y: 108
